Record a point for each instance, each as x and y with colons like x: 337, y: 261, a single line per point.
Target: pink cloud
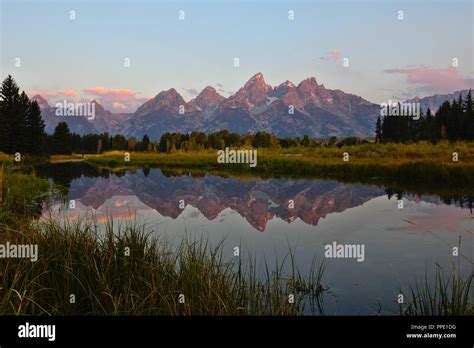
x: 121, y: 100
x: 96, y: 90
x: 119, y: 106
x: 52, y: 94
x: 68, y: 92
x: 433, y: 80
x: 116, y: 99
x: 334, y: 55
x: 121, y: 94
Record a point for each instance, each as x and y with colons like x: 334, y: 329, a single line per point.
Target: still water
x: 265, y: 217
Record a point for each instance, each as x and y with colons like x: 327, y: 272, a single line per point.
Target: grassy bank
x: 128, y: 272
x: 407, y: 167
x: 21, y: 196
x: 383, y: 155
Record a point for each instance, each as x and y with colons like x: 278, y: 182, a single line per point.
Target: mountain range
x: 434, y: 102
x: 287, y: 110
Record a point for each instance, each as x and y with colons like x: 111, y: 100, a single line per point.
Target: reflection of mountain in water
x: 257, y: 200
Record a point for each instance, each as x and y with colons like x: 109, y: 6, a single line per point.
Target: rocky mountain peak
x: 257, y: 82
x: 170, y: 96
x: 308, y: 84
x: 169, y: 99
x: 208, y: 97
x: 254, y: 92
x: 98, y: 108
x: 42, y: 103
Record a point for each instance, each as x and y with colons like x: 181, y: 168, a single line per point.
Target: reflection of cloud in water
x: 118, y: 208
x: 434, y: 218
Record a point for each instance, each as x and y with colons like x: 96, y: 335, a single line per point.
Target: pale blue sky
x: 59, y: 54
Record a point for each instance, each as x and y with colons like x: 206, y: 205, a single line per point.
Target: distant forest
x: 22, y: 130
x: 453, y: 121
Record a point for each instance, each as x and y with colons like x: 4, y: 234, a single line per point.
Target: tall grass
x: 446, y: 295
x: 78, y: 258
x: 20, y: 195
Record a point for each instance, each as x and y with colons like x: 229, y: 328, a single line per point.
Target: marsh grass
x: 21, y: 195
x: 445, y: 295
x: 409, y: 166
x: 386, y: 155
x: 91, y: 263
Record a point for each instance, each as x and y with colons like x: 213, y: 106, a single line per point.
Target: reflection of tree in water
x: 170, y: 173
x: 459, y: 200
x: 62, y: 174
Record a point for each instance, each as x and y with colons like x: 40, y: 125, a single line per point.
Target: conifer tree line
x: 453, y: 121
x: 21, y: 124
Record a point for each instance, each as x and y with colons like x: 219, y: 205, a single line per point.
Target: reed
x: 446, y: 295
x: 125, y: 270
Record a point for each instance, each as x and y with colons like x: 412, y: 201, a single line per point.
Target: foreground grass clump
x: 20, y: 195
x: 95, y: 266
x: 4, y: 157
x: 450, y: 295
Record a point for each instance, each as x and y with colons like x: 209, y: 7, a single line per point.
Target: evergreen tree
x: 468, y: 104
x: 427, y: 127
x: 18, y: 130
x: 119, y: 142
x: 9, y: 98
x: 469, y: 117
x: 164, y: 141
x: 145, y: 143
x: 21, y: 124
x: 442, y: 119
x: 35, y: 130
x: 62, y: 139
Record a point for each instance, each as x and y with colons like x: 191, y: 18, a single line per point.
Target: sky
x: 82, y: 55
